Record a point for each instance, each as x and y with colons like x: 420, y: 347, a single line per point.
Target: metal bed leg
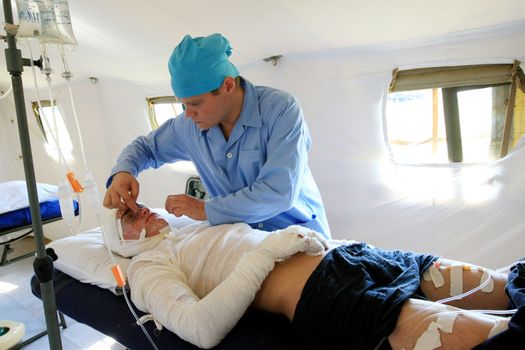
x: 7, y: 250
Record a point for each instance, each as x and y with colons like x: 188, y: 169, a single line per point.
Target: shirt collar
x: 250, y: 113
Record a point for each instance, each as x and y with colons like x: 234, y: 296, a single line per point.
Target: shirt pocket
x: 250, y: 164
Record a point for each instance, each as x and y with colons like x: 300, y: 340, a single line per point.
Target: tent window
x: 465, y: 114
x: 51, y: 123
x: 163, y: 108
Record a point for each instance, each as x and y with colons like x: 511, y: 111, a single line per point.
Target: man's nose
x: 189, y: 112
x: 143, y: 211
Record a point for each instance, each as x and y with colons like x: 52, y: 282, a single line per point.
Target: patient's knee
x: 455, y: 281
x: 426, y: 326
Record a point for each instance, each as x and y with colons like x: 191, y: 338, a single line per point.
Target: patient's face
x: 133, y: 223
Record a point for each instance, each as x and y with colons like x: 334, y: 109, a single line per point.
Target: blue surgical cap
x: 199, y: 65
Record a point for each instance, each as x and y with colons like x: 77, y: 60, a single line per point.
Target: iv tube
x: 121, y: 282
x: 458, y: 312
x: 92, y: 191
x: 77, y: 187
x: 60, y: 154
x: 65, y: 199
x: 463, y: 295
x: 64, y: 191
x: 89, y: 181
x: 67, y: 75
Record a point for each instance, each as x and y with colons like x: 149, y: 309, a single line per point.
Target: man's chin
x: 203, y: 127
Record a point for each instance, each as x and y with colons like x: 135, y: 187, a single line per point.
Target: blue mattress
x: 22, y: 217
x: 108, y: 313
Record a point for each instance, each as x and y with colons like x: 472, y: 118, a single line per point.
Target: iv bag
x: 56, y: 22
x: 29, y: 19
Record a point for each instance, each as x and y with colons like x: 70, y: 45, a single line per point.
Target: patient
x: 198, y: 282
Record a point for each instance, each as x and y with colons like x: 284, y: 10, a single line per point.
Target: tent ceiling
x: 132, y: 39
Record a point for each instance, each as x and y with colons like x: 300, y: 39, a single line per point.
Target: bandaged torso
x: 207, y: 255
x: 200, y: 280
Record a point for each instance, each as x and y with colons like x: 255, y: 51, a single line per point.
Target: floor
x: 17, y: 303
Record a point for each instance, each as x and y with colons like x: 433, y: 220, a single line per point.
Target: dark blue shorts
x: 353, y: 298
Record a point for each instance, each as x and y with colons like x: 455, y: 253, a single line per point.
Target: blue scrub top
x: 260, y: 175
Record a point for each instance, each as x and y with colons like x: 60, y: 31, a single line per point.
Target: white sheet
x: 85, y: 258
x: 13, y: 195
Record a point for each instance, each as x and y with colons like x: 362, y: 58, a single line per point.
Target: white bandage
x: 283, y: 244
x: 433, y: 274
x: 490, y: 285
x: 431, y: 339
x: 113, y: 237
x: 160, y: 287
x: 499, y: 326
x: 456, y: 280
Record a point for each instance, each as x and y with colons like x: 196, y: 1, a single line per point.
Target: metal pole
x: 43, y: 264
x: 452, y: 125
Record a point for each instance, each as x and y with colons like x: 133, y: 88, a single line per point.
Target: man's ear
x: 229, y: 84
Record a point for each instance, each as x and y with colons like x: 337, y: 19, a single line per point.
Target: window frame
x: 455, y: 79
x: 52, y: 147
x: 152, y: 101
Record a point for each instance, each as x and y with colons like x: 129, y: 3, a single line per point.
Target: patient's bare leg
x: 424, y: 325
x: 457, y: 278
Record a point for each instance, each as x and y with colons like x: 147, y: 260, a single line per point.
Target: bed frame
x: 108, y: 313
x: 50, y: 212
x: 7, y: 244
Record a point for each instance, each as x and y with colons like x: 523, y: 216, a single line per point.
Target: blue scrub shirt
x: 260, y: 175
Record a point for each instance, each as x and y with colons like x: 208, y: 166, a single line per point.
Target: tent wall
x: 342, y: 93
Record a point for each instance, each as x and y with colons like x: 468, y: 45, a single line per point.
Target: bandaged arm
x: 160, y: 288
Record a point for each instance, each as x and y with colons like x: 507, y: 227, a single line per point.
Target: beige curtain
x: 444, y: 77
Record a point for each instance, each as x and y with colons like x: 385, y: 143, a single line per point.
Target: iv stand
x: 43, y: 264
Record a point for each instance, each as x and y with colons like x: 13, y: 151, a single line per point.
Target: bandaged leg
x: 431, y: 338
x: 450, y: 280
x: 424, y: 325
x: 509, y: 338
x: 456, y: 271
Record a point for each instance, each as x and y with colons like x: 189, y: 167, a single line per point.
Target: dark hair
x: 216, y: 91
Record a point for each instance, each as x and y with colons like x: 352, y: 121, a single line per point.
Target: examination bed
x: 109, y: 314
x: 86, y: 292
x: 15, y: 215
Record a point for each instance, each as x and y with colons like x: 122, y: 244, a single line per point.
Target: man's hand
x: 182, y: 204
x: 122, y: 193
x: 282, y: 244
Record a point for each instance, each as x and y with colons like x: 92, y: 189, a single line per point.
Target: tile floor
x: 17, y: 303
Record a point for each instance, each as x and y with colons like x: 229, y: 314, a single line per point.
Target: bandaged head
x: 199, y: 65
x: 115, y: 237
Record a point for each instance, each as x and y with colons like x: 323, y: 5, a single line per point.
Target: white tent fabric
x: 467, y: 213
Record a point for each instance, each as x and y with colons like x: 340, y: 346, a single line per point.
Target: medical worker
x: 249, y: 144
